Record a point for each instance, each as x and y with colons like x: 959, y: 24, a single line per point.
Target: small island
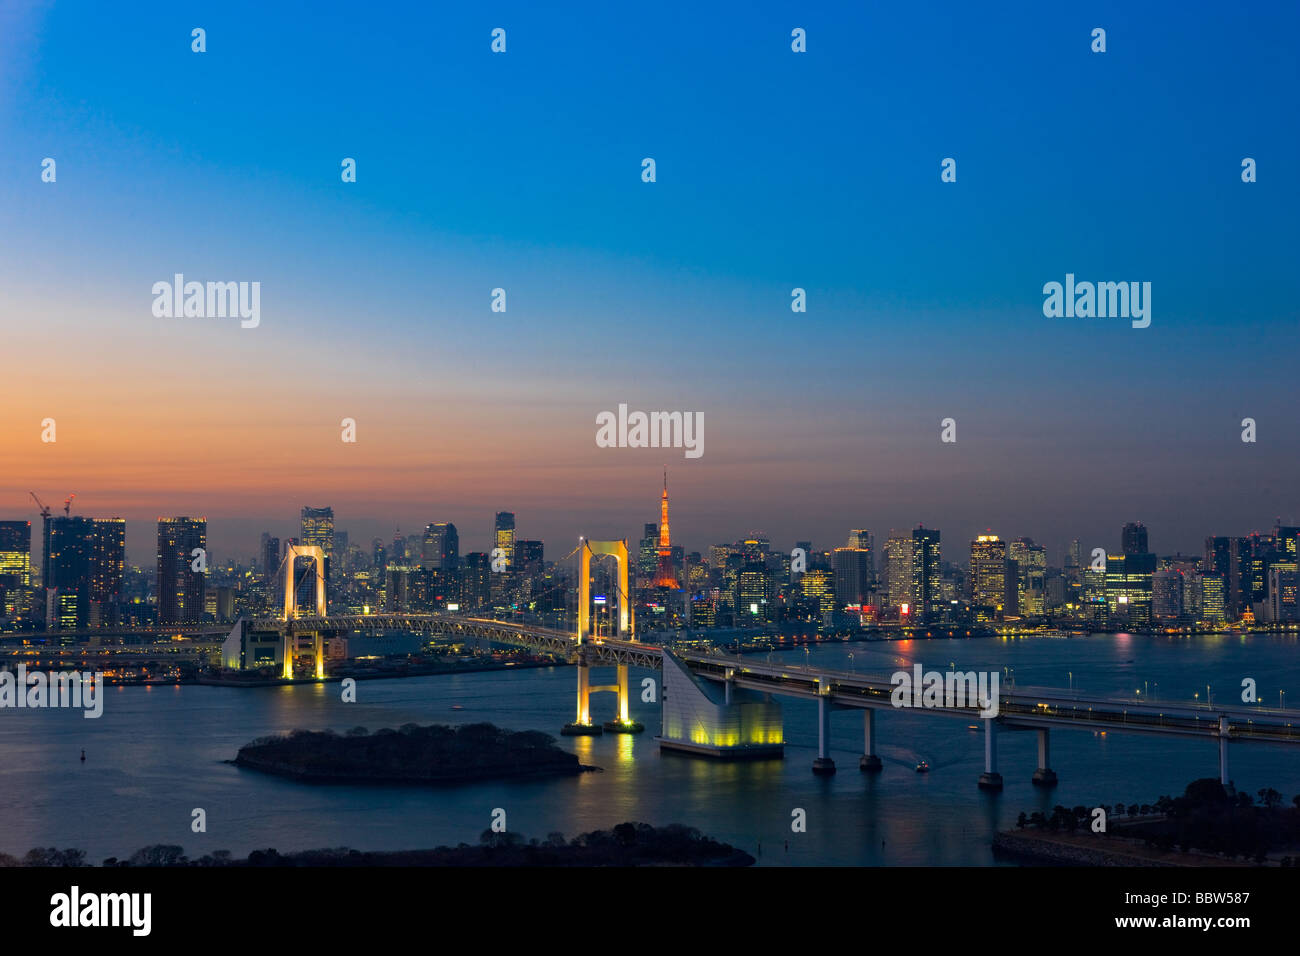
x: 410, y: 755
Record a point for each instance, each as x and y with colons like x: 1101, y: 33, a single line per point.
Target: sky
x: 774, y: 170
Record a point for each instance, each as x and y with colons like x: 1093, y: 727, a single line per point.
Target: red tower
x: 665, y: 578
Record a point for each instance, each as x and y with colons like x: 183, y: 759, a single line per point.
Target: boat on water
x: 923, y: 767
x: 457, y: 707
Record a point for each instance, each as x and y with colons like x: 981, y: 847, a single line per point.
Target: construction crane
x: 67, y: 506
x: 45, y: 512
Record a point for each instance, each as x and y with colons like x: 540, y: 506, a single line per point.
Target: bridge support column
x: 869, y: 762
x: 290, y: 647
x: 1044, y: 776
x: 1223, y: 751
x: 318, y: 655
x: 623, y: 724
x: 823, y: 764
x: 582, y: 726
x: 990, y: 779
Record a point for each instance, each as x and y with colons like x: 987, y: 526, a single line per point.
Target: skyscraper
x: 476, y: 582
x: 1031, y: 574
x: 181, y: 585
x: 864, y: 540
x: 85, y: 565
x: 851, y: 567
x: 1134, y: 538
x: 15, y: 567
x: 647, y: 561
x: 270, y: 555
x: 898, y: 566
x: 440, y: 550
x: 107, y: 570
x: 16, y: 551
x: 505, y: 536
x: 754, y: 591
x: 925, y: 573
x: 988, y: 576
x: 529, y: 555
x: 1129, y: 584
x: 318, y: 529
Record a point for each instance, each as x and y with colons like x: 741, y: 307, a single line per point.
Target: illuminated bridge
x: 726, y: 706
x: 729, y: 677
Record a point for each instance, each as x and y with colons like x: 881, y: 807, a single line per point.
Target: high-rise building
x: 181, y: 584
x: 15, y: 567
x: 107, y: 571
x: 270, y: 555
x: 1129, y: 582
x: 1230, y: 559
x: 529, y: 555
x: 85, y: 565
x: 851, y: 567
x: 988, y: 577
x: 1283, y: 596
x: 925, y: 574
x: 898, y: 567
x: 864, y: 540
x: 820, y: 586
x: 754, y: 593
x: 1133, y: 539
x: 476, y: 581
x: 440, y: 549
x: 1167, y: 596
x: 318, y: 529
x: 505, y: 536
x: 647, y: 560
x: 1031, y: 575
x: 754, y: 548
x: 1214, y: 599
x: 16, y: 551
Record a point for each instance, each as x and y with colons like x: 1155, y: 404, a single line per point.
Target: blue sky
x: 775, y: 170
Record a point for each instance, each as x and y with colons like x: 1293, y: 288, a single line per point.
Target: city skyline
x: 233, y: 548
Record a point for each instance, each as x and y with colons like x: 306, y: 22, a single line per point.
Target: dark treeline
x: 1208, y: 817
x: 628, y: 844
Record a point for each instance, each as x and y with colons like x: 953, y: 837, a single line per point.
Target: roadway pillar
x: 584, y: 696
x: 318, y: 654
x: 290, y: 645
x: 869, y: 762
x: 582, y: 726
x: 1044, y: 776
x: 622, y: 693
x: 823, y: 764
x: 1223, y: 751
x: 990, y: 779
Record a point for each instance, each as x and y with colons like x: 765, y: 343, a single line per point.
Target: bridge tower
x: 582, y: 724
x: 317, y: 556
